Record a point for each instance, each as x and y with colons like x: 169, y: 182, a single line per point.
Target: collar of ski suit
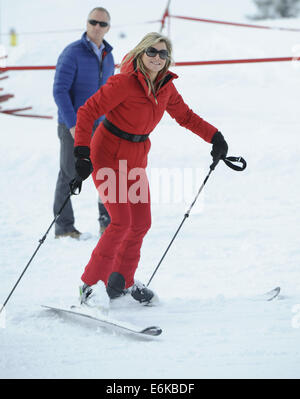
x: 131, y: 68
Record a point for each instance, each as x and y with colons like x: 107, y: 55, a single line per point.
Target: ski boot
x: 116, y: 285
x: 73, y: 234
x: 94, y: 297
x: 142, y: 294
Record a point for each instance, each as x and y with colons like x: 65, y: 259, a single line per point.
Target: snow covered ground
x: 241, y: 240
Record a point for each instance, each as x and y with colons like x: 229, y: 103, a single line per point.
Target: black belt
x: 135, y: 138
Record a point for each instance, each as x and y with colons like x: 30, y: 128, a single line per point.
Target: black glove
x: 83, y: 164
x: 219, y: 149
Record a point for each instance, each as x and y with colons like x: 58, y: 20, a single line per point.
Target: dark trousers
x: 65, y: 222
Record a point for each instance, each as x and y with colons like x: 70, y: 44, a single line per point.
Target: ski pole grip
x: 214, y: 164
x: 75, y: 186
x: 229, y: 161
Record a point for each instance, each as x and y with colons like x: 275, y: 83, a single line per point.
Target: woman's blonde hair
x: 136, y: 54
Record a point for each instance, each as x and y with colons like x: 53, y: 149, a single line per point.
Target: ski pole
x: 229, y: 161
x: 75, y: 188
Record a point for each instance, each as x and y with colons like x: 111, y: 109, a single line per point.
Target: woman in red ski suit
x: 133, y: 102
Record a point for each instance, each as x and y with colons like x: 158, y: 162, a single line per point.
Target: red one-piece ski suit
x: 125, y: 101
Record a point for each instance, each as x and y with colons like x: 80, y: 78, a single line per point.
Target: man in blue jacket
x: 82, y: 68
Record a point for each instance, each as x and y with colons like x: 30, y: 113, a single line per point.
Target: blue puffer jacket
x: 78, y: 76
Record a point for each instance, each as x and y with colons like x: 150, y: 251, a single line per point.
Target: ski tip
x: 274, y: 293
x: 154, y: 331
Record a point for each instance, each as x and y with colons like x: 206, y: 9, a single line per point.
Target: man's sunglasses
x: 152, y: 52
x: 101, y: 23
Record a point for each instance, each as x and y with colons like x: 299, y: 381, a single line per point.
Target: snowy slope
x: 241, y: 240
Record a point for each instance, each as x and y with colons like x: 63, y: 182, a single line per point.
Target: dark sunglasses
x: 152, y: 52
x: 101, y: 23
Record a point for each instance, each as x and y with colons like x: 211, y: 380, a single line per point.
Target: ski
x: 108, y: 322
x: 268, y: 296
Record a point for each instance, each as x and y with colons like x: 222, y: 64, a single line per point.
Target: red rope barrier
x: 27, y: 115
x: 241, y: 61
x: 189, y: 63
x: 5, y: 97
x: 238, y: 61
x: 15, y: 113
x: 26, y: 68
x: 12, y: 111
x: 233, y: 23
